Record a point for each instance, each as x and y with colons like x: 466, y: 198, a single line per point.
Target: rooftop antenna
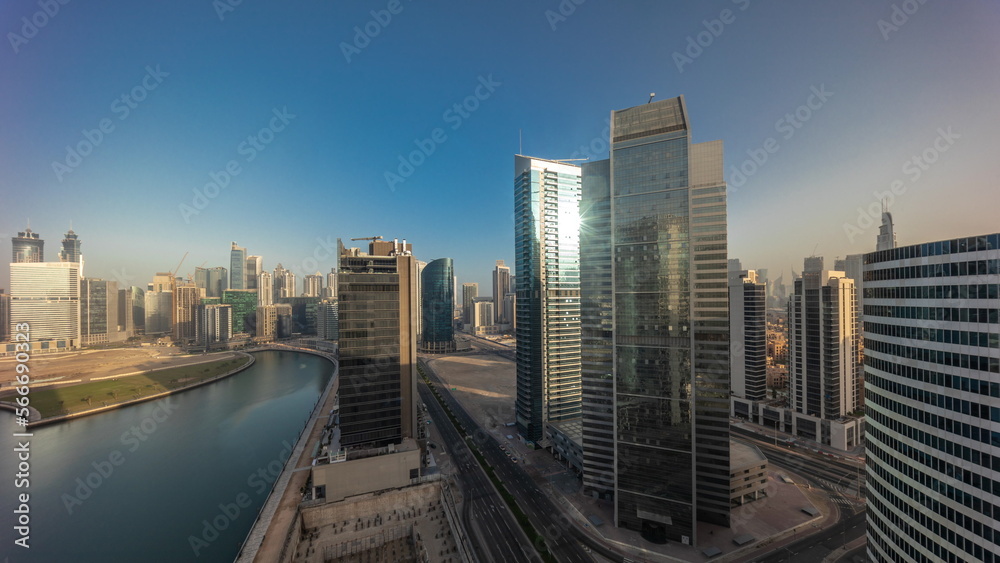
x: 651, y: 96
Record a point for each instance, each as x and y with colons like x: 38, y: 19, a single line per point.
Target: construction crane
x: 173, y: 273
x: 376, y: 237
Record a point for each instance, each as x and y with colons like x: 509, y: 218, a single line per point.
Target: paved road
x: 840, y: 479
x: 565, y: 541
x: 482, y: 507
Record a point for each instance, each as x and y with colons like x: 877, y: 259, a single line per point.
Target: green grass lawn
x: 68, y: 399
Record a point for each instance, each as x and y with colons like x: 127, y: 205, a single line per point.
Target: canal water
x: 177, y: 479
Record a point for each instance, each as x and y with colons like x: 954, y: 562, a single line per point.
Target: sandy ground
x: 82, y: 366
x: 484, y: 384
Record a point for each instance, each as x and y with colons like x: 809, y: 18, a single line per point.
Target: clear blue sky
x: 322, y: 176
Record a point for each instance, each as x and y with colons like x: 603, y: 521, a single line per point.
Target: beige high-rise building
x: 254, y: 267
x: 265, y: 289
x: 312, y: 285
x: 187, y: 297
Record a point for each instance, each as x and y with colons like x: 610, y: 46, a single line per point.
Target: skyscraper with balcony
x: 237, y: 267
x: 824, y: 374
x: 656, y: 327
x: 501, y: 287
x: 27, y: 247
x: 438, y: 332
x: 547, y: 255
x: 265, y: 289
x: 748, y: 330
x: 378, y: 344
x: 312, y: 285
x: 932, y: 400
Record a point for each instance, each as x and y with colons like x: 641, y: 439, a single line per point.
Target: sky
x: 163, y: 128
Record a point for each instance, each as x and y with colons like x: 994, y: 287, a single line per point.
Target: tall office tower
x: 304, y: 313
x: 596, y: 324
x: 27, y: 248
x: 254, y: 267
x: 378, y: 383
x: 501, y: 287
x: 99, y: 312
x: 748, y: 334
x: 509, y: 306
x: 213, y: 280
x: 327, y: 320
x: 658, y: 256
x: 547, y: 254
x: 420, y: 301
x: 455, y: 285
x: 330, y: 291
x: 70, y: 248
x: 265, y: 289
x: 138, y: 310
x: 187, y: 297
x: 237, y: 267
x: 932, y: 386
x: 4, y: 316
x: 312, y: 285
x: 158, y: 312
x: 823, y: 371
x: 886, y: 231
x: 437, y: 314
x: 287, y: 284
x: 46, y: 295
x: 126, y: 322
x: 483, y: 315
x: 215, y: 324
x: 244, y: 302
x: 469, y: 292
x: 278, y: 282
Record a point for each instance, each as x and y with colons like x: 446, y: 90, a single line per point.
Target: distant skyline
x: 333, y: 120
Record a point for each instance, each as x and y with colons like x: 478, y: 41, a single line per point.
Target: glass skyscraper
x: 378, y: 345
x: 656, y: 324
x: 547, y: 255
x: 437, y: 287
x: 27, y: 247
x: 237, y: 267
x: 71, y: 248
x: 932, y: 400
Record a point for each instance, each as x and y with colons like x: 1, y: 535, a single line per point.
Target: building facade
x: 378, y: 344
x: 748, y: 333
x: 237, y: 267
x: 824, y: 372
x: 254, y: 268
x: 501, y: 287
x: 547, y: 254
x: 470, y: 291
x: 213, y: 280
x: 932, y: 399
x: 657, y: 251
x: 46, y: 295
x: 244, y: 304
x: 70, y: 248
x: 437, y: 313
x: 27, y: 247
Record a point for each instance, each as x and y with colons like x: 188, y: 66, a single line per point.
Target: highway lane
x: 498, y: 539
x: 813, y: 549
x: 564, y: 539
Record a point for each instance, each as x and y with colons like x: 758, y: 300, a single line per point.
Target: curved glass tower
x: 437, y: 298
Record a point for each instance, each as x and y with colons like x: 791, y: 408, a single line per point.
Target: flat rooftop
x: 742, y: 456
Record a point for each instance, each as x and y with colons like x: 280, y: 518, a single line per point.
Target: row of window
x: 970, y: 268
x: 929, y: 501
x: 902, y: 544
x: 970, y: 384
x: 939, y: 400
x: 939, y: 248
x: 945, y: 423
x: 967, y: 361
x: 954, y: 314
x: 963, y: 337
x: 941, y: 292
